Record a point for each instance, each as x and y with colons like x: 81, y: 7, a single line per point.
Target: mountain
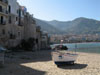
x: 84, y: 26
x: 77, y: 26
x: 60, y: 24
x: 47, y: 27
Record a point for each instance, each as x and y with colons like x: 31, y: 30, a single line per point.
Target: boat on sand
x: 61, y: 55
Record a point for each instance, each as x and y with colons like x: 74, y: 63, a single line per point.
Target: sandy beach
x: 40, y: 63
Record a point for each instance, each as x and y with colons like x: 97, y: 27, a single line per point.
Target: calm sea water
x: 83, y: 47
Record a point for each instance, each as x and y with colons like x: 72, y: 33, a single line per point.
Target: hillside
x: 47, y: 27
x: 84, y: 26
x: 60, y: 24
x: 78, y: 26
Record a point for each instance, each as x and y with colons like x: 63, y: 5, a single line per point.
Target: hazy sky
x: 63, y: 10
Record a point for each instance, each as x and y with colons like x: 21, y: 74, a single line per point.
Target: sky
x: 62, y: 10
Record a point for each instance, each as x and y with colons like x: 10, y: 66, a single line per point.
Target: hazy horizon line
x: 65, y: 20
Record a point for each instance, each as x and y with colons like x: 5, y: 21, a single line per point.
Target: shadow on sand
x: 75, y: 66
x: 14, y: 60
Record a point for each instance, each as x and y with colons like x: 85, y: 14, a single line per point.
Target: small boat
x: 62, y: 56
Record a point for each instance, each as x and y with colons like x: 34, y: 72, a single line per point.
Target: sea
x: 93, y: 47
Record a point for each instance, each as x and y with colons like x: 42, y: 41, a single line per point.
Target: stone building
x: 44, y: 40
x: 3, y: 21
x: 29, y: 27
x: 17, y: 24
x: 21, y: 24
x: 38, y: 37
x: 13, y: 8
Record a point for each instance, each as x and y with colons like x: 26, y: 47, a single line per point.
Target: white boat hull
x: 64, y: 57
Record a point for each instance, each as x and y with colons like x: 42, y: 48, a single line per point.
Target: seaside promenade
x: 40, y: 63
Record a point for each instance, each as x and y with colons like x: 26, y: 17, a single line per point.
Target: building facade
x: 16, y: 24
x: 44, y: 41
x: 3, y: 21
x: 38, y: 37
x: 30, y: 27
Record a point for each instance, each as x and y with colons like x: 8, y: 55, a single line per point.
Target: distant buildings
x: 17, y: 24
x: 75, y: 38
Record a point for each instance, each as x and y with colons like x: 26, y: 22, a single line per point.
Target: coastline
x: 88, y: 53
x: 83, y: 47
x: 75, y: 43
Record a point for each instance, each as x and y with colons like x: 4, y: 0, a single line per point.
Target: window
x: 9, y: 19
x: 3, y: 31
x: 37, y: 41
x: 18, y: 33
x: 1, y: 19
x: 17, y: 11
x: 0, y: 8
x: 22, y: 12
x: 12, y: 36
x: 16, y: 18
x: 9, y: 9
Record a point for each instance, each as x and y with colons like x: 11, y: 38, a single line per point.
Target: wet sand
x: 40, y: 63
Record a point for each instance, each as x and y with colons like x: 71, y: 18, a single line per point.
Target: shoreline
x: 75, y: 43
x: 88, y: 53
x: 92, y: 47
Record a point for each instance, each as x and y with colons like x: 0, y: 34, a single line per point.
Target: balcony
x: 21, y: 23
x: 3, y: 23
x: 3, y: 11
x: 12, y: 36
x: 4, y: 2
